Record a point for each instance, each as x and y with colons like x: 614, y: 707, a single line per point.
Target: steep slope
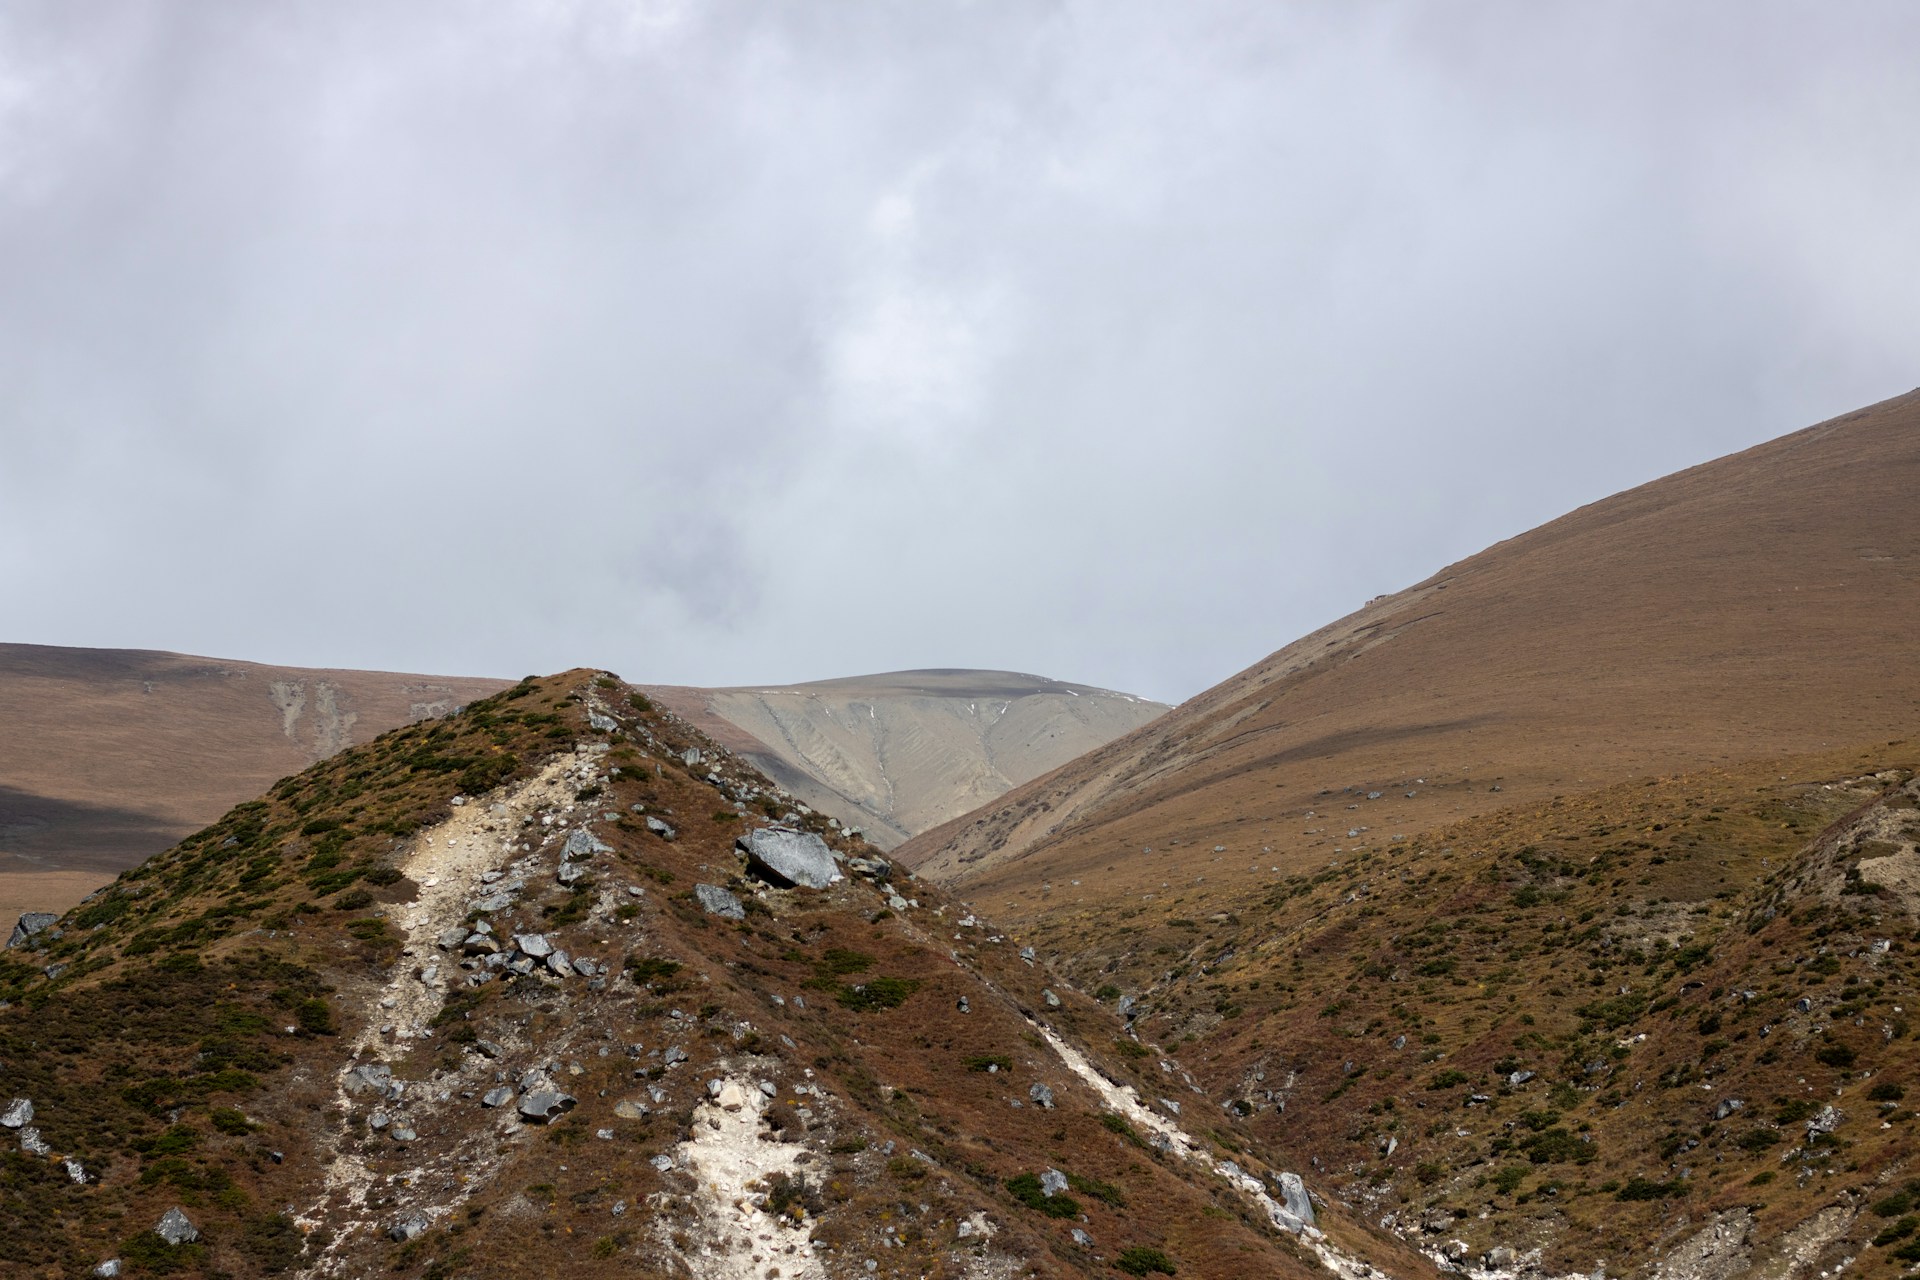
x: 496, y: 996
x: 111, y: 755
x: 899, y: 753
x: 1761, y: 605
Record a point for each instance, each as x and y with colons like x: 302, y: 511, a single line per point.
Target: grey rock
x: 789, y: 857
x: 571, y: 873
x: 498, y: 1096
x: 175, y: 1228
x: 661, y: 828
x: 1803, y: 1004
x: 1082, y: 1239
x: 586, y: 967
x: 408, y: 1226
x: 30, y: 923
x: 403, y: 1133
x: 601, y: 723
x: 448, y: 939
x: 1518, y: 1078
x: 493, y: 902
x: 1293, y: 1195
x: 1129, y: 1008
x: 522, y: 965
x: 872, y: 868
x: 32, y: 1143
x: 533, y: 944
x: 76, y: 1172
x: 1027, y: 954
x: 663, y: 1162
x: 479, y: 944
x: 559, y: 965
x: 627, y: 1109
x: 378, y: 1120
x: 1726, y: 1107
x: 1052, y: 1182
x: 18, y: 1115
x: 1827, y: 1121
x: 108, y: 1270
x: 542, y: 1105
x: 1041, y: 1095
x: 716, y: 901
x: 375, y: 1078
x: 1399, y: 1042
x: 674, y: 1055
x: 582, y: 843
x: 1170, y: 1105
x: 1053, y: 1001
x: 963, y: 1006
x: 1498, y: 1258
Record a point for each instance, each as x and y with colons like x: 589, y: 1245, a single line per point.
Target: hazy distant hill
x: 110, y: 755
x: 898, y: 753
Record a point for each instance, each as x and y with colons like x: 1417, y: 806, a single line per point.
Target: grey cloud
x: 1123, y: 342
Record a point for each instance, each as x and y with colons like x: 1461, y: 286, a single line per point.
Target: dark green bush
x: 1139, y: 1260
x: 1026, y: 1189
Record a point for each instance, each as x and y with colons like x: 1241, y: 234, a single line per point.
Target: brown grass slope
x: 898, y: 753
x: 1763, y: 604
x: 184, y: 1034
x: 111, y: 755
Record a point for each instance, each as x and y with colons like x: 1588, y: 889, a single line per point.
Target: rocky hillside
x: 896, y: 754
x: 520, y: 992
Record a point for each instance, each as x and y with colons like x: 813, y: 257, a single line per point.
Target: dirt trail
x: 732, y: 1162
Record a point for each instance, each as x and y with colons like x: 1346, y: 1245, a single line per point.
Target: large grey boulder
x: 789, y: 858
x: 533, y: 944
x: 407, y: 1226
x: 542, y: 1105
x: 18, y: 1115
x: 661, y: 828
x: 582, y: 843
x: 1293, y: 1194
x: 175, y: 1229
x: 30, y: 923
x: 375, y: 1078
x: 108, y: 1270
x: 716, y: 901
x: 1052, y: 1183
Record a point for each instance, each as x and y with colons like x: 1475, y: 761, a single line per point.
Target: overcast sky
x: 714, y: 343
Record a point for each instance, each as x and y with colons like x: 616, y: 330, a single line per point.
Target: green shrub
x: 314, y: 1016
x: 1139, y: 1260
x: 877, y: 993
x: 1508, y: 1180
x: 1834, y: 1054
x: 1026, y: 1189
x: 1448, y: 1079
x: 1639, y: 1188
x: 1886, y: 1091
x: 231, y: 1121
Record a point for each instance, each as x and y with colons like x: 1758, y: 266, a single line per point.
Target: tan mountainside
x: 110, y: 755
x: 1558, y: 911
x: 1764, y: 604
x: 899, y: 753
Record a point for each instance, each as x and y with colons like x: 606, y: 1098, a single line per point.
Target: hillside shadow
x: 44, y: 833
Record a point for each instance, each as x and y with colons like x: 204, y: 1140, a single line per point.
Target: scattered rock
x: 372, y: 1077
x: 1082, y: 1239
x: 18, y: 1115
x: 30, y: 923
x: 559, y: 965
x: 76, y: 1172
x: 542, y: 1105
x: 403, y: 1133
x: 872, y: 868
x: 407, y: 1226
x: 108, y: 1269
x: 661, y: 829
x: 1515, y: 1080
x: 582, y: 843
x: 1053, y: 1001
x: 571, y: 873
x: 175, y: 1229
x: 963, y: 1006
x: 1052, y: 1182
x: 498, y: 1096
x: 1041, y: 1095
x: 789, y: 858
x: 663, y: 1162
x: 627, y: 1109
x: 32, y: 1143
x: 1827, y: 1121
x: 716, y: 901
x: 533, y: 944
x: 1293, y: 1195
x: 674, y: 1055
x: 448, y: 939
x: 1726, y: 1107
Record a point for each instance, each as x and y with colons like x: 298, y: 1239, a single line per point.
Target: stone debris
x: 175, y: 1228
x: 1053, y: 1001
x: 1052, y: 1183
x: 1726, y: 1107
x: 30, y: 923
x: 1082, y: 1239
x: 627, y: 1109
x: 1294, y: 1198
x: 661, y: 828
x: 533, y: 944
x: 32, y: 1143
x: 716, y: 901
x: 542, y: 1105
x: 375, y: 1078
x: 76, y: 1172
x: 499, y: 1096
x: 407, y: 1226
x: 1041, y: 1096
x: 108, y: 1270
x: 789, y: 858
x: 18, y: 1115
x: 584, y: 844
